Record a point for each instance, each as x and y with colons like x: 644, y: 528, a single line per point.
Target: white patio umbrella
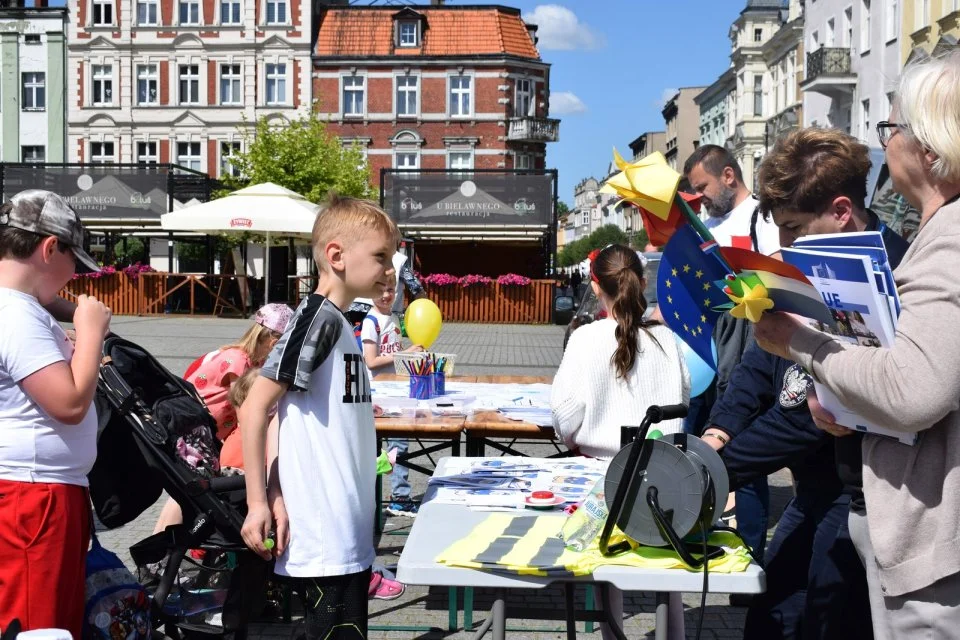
x: 267, y: 208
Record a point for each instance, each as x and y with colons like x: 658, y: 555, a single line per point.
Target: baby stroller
x: 156, y: 434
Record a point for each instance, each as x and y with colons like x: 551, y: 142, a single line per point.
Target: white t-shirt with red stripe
x: 733, y: 229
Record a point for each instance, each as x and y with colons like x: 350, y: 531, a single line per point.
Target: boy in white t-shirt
x: 48, y: 428
x: 326, y: 463
x: 381, y: 342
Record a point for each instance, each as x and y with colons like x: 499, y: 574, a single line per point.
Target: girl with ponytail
x: 614, y: 368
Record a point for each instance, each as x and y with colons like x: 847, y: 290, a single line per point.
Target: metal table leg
x: 497, y: 620
x: 571, y: 611
x: 661, y: 630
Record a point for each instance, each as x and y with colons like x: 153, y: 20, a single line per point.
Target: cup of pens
x: 421, y: 386
x: 421, y: 378
x: 439, y: 377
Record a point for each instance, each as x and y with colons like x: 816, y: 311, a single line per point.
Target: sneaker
x: 406, y: 509
x: 383, y: 588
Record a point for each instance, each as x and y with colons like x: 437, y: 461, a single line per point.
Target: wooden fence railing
x: 159, y: 293
x: 495, y: 303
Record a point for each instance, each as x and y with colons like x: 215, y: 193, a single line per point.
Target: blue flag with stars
x: 687, y: 289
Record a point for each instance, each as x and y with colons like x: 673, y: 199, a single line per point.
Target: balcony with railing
x: 533, y: 130
x: 828, y: 72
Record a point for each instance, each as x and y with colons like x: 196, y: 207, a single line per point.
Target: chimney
x: 532, y: 32
x: 436, y: 3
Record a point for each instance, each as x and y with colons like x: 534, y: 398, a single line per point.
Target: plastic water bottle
x: 584, y: 524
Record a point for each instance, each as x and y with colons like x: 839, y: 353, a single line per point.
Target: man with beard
x: 735, y: 220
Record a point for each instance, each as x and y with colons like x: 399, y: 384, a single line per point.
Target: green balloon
x: 656, y: 434
x: 269, y: 544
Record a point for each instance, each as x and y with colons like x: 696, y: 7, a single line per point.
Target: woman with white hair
x: 910, y: 537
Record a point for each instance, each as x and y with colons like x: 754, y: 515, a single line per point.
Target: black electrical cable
x: 706, y: 581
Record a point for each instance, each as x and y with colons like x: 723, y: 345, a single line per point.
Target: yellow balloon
x: 423, y: 322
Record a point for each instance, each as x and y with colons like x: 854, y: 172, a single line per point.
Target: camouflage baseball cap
x: 48, y: 214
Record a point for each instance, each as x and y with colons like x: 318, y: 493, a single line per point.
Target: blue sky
x: 613, y: 61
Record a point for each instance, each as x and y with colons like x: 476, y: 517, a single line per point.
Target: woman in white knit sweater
x: 613, y: 369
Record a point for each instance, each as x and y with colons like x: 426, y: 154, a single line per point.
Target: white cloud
x: 559, y: 28
x: 665, y: 95
x: 565, y: 103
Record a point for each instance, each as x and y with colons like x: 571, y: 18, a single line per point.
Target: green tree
x: 303, y: 157
x: 607, y: 234
x: 562, y: 209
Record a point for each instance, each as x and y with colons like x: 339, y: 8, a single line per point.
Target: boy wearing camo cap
x: 48, y: 427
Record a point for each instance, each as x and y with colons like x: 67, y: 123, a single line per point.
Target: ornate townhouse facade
x: 177, y: 80
x: 434, y: 87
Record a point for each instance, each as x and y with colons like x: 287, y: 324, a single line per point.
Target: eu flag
x: 687, y: 289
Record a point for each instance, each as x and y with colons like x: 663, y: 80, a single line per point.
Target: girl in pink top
x: 213, y: 374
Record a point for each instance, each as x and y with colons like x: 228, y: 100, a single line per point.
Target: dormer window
x: 409, y: 33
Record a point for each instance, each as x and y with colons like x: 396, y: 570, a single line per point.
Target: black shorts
x: 335, y: 607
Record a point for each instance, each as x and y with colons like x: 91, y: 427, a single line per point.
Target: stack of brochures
x: 853, y: 275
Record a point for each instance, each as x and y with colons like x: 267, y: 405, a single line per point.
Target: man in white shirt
x: 734, y: 219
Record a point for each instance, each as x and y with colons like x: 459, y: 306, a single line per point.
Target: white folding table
x: 438, y: 526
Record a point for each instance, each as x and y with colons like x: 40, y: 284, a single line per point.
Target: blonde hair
x: 344, y: 219
x: 241, y: 387
x: 927, y: 103
x: 254, y: 343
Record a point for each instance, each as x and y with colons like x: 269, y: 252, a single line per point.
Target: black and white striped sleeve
x: 309, y: 339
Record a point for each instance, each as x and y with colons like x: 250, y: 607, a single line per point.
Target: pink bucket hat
x: 274, y: 316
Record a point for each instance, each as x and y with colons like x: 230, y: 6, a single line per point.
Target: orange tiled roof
x: 461, y: 31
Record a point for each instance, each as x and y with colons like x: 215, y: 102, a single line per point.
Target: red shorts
x: 44, y: 536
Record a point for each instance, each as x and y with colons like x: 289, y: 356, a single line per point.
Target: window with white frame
x: 864, y: 119
x: 758, y: 35
x: 406, y: 160
x: 188, y: 155
x: 407, y: 90
x: 460, y: 160
x: 523, y: 161
x: 102, y: 13
x: 892, y: 20
x: 847, y: 24
x: 189, y: 83
x: 227, y: 152
x: 33, y: 153
x: 148, y: 84
x: 102, y: 79
x: 230, y: 80
x: 921, y: 14
x: 101, y: 152
x: 276, y: 11
x: 864, y: 26
x: 32, y: 38
x: 34, y: 85
x: 408, y: 34
x: 758, y: 95
x: 523, y: 102
x: 147, y: 152
x: 461, y: 89
x: 230, y: 12
x: 276, y: 78
x: 189, y: 12
x: 353, y: 95
x: 147, y: 12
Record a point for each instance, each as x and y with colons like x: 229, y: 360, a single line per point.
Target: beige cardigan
x: 912, y: 493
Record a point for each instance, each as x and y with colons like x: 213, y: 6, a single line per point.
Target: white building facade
x: 175, y: 80
x: 32, y: 85
x: 714, y: 103
x: 757, y: 24
x: 853, y: 62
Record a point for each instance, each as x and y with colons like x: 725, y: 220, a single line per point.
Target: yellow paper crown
x: 649, y: 183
